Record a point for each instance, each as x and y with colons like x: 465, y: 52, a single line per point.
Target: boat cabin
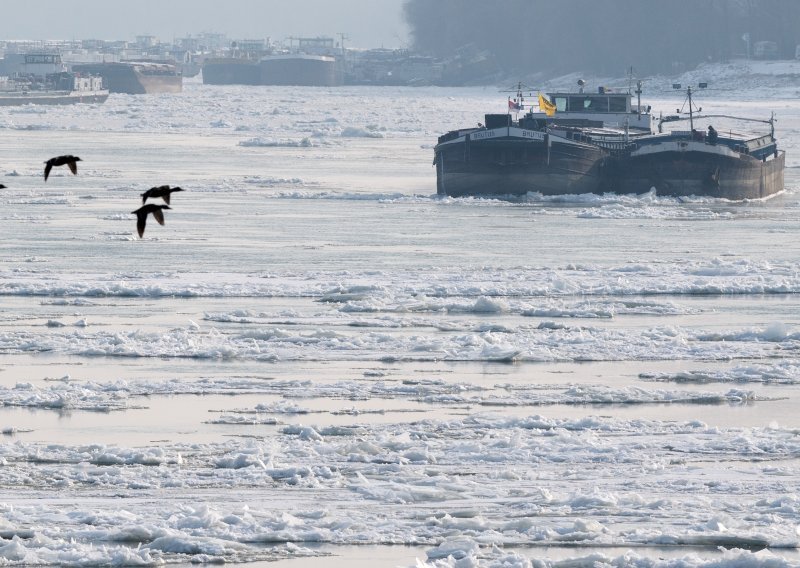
x: 591, y: 103
x: 603, y: 109
x: 39, y: 63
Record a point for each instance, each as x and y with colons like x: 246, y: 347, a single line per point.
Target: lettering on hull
x: 481, y: 135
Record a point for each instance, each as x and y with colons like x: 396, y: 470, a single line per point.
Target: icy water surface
x: 318, y: 362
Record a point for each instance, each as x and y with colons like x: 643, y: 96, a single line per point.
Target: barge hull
x: 231, y: 72
x: 680, y: 175
x: 518, y: 168
x: 130, y: 79
x: 307, y: 71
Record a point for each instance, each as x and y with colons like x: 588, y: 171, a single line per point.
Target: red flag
x: 513, y: 105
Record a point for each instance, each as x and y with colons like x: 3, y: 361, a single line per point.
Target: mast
x: 638, y: 92
x: 701, y: 85
x: 518, y: 100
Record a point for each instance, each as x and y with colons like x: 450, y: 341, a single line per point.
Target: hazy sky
x: 368, y: 23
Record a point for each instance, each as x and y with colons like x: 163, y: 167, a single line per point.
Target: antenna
x: 342, y: 37
x: 638, y: 92
x: 688, y: 100
x: 520, y: 96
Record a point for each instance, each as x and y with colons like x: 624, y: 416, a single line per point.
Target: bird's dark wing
x: 158, y: 214
x: 73, y: 166
x: 166, y: 198
x: 141, y: 221
x: 3, y: 186
x: 144, y: 196
x: 47, y: 167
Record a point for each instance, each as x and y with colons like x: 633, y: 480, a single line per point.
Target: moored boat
x: 41, y: 77
x: 136, y: 77
x: 57, y: 89
x: 304, y: 62
x: 231, y: 71
x: 300, y: 69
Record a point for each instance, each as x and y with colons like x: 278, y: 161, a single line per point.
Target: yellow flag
x: 548, y: 107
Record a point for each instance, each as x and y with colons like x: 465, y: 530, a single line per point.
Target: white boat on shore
x: 62, y: 89
x: 41, y: 77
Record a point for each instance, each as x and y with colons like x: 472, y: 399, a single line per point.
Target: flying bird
x: 162, y: 191
x: 3, y: 186
x: 143, y: 212
x: 71, y: 161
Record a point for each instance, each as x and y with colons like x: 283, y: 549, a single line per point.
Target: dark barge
x: 705, y: 162
x: 136, y: 77
x: 552, y: 151
x: 601, y: 142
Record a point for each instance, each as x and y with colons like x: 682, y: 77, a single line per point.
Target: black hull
x: 300, y: 71
x: 682, y: 174
x: 281, y: 70
x: 231, y: 72
x: 125, y: 78
x: 515, y: 168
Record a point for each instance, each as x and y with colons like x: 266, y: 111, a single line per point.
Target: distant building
x: 146, y: 41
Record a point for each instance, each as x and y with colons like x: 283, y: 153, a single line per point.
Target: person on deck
x: 712, y: 135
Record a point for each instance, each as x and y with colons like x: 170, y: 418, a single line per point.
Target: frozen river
x: 318, y: 362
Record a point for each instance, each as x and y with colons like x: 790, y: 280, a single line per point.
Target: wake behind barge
x: 601, y: 142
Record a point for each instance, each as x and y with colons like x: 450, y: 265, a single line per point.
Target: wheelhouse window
x: 575, y: 104
x: 47, y: 58
x: 618, y: 104
x: 596, y: 104
x: 591, y: 103
x: 585, y: 103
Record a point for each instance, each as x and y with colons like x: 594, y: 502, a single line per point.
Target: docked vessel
x: 41, y: 77
x: 306, y: 61
x: 601, y: 142
x: 136, y: 77
x: 300, y: 69
x: 59, y: 89
x: 392, y: 67
x: 560, y: 149
x: 310, y: 62
x: 231, y: 71
x: 236, y: 65
x: 707, y: 161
